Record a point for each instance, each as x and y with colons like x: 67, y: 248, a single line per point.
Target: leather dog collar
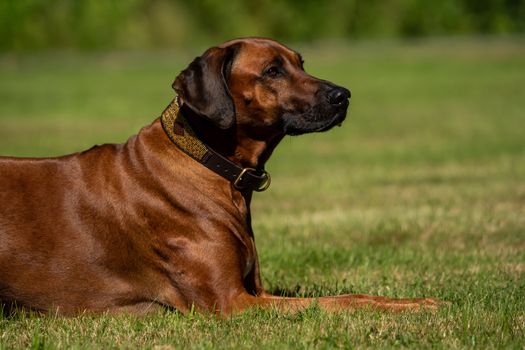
x: 181, y: 134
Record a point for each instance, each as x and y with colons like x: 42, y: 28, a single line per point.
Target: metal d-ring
x: 264, y: 186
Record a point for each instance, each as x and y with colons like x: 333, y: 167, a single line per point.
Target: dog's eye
x: 273, y: 72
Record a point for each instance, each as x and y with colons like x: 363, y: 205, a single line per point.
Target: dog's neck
x: 217, y: 149
x: 248, y: 148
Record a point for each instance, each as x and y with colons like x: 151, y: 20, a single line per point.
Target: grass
x: 420, y: 193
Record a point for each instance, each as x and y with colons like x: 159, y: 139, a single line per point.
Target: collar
x: 181, y: 134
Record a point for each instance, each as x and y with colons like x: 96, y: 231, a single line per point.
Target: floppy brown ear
x: 203, y: 86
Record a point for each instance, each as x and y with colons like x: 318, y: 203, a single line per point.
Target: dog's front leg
x: 333, y: 303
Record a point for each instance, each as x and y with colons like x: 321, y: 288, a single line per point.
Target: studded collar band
x: 181, y: 134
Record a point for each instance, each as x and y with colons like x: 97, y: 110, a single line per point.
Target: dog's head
x: 259, y: 83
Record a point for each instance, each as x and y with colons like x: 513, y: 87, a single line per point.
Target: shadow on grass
x: 13, y: 311
x: 311, y: 291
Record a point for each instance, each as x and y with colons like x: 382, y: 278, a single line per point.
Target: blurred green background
x: 420, y: 193
x: 102, y: 24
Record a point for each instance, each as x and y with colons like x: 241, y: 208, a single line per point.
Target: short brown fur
x: 136, y: 226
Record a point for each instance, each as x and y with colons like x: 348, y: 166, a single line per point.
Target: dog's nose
x: 338, y: 95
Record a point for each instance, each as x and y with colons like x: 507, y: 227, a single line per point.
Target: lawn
x: 421, y: 192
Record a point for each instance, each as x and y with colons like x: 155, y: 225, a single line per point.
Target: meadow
x: 421, y: 192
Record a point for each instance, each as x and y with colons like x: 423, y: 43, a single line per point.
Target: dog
x: 164, y: 219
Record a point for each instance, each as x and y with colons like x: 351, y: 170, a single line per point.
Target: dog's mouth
x: 337, y: 120
x: 310, y: 124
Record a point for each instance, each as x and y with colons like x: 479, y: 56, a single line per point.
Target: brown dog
x: 164, y: 219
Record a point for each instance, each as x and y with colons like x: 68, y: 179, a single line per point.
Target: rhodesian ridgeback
x: 164, y: 219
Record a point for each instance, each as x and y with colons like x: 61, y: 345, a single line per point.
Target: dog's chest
x: 249, y: 257
x: 245, y: 233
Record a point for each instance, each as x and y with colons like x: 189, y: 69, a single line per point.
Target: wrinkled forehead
x: 255, y: 54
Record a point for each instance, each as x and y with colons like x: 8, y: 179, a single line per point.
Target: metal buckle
x: 239, y: 178
x: 263, y: 187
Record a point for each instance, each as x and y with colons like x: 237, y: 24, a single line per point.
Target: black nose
x: 338, y: 96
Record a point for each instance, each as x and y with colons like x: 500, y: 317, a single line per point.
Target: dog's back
x: 62, y: 220
x: 44, y: 241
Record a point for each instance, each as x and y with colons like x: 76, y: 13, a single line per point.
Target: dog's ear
x: 203, y: 86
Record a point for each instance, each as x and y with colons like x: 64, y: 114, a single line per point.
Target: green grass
x: 420, y: 193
